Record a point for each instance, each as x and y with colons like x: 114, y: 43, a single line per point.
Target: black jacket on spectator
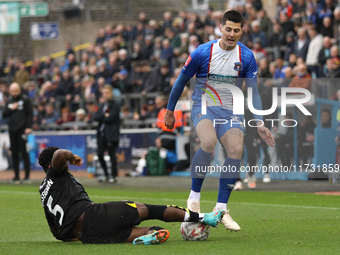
x: 302, y: 53
x: 287, y: 27
x: 326, y: 31
x: 65, y: 87
x: 322, y: 58
x: 111, y: 123
x: 155, y: 81
x: 22, y: 117
x: 289, y: 50
x: 277, y: 39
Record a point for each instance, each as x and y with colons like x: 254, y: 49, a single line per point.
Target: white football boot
x: 266, y: 178
x: 228, y: 222
x: 193, y: 206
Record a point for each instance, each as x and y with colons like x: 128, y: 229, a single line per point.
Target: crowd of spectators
x: 299, y: 43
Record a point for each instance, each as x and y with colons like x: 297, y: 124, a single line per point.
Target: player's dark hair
x: 233, y: 16
x: 45, y: 157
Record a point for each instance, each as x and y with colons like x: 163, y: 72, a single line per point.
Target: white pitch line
x: 178, y: 200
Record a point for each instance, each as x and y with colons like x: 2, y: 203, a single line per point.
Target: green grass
x: 272, y: 223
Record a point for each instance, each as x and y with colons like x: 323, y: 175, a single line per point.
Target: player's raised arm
x: 189, y: 70
x: 60, y: 158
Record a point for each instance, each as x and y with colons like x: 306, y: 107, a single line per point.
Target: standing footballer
x: 215, y: 63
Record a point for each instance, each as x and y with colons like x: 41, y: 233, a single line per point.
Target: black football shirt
x: 64, y: 200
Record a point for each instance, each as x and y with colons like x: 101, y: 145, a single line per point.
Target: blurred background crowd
x: 142, y: 59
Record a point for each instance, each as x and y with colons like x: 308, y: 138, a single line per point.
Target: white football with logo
x: 194, y: 231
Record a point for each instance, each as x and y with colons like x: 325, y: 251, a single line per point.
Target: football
x: 192, y: 231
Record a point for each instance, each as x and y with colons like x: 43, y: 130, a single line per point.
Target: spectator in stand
x: 184, y: 22
x: 302, y: 44
x: 258, y: 51
x: 80, y: 115
x: 335, y: 51
x: 287, y: 25
x: 22, y: 75
x: 65, y: 85
x: 76, y: 74
x: 100, y: 36
x: 314, y: 48
x: 279, y: 72
x: 76, y: 96
x: 302, y: 79
x: 151, y: 111
x: 265, y: 23
x: 121, y: 81
x: 113, y: 64
x: 104, y: 72
x: 184, y: 47
x: 277, y: 38
x: 109, y: 32
x: 326, y: 27
x: 232, y: 4
x: 157, y: 50
x: 136, y: 52
x: 209, y: 19
x: 246, y: 37
x: 193, y: 43
x: 71, y: 61
x: 38, y: 116
x: 91, y: 110
x: 36, y: 67
x: 257, y: 33
x: 285, y: 10
x: 147, y: 49
x: 263, y: 70
x: 50, y: 116
x: 167, y: 52
x: 56, y: 74
x: 290, y: 44
x: 292, y: 60
x: 192, y: 31
x: 336, y: 23
x: 335, y: 68
x: 327, y: 11
x: 90, y: 51
x: 84, y: 60
x: 287, y: 79
x: 3, y: 94
x: 174, y: 38
x: 158, y: 79
x: 312, y: 16
x: 167, y: 16
x: 10, y: 68
x: 69, y: 49
x: 89, y: 88
x: 299, y: 11
x: 306, y: 139
x: 123, y: 60
x: 326, y: 118
x: 66, y: 116
x: 324, y: 54
x: 31, y: 89
x: 47, y: 68
x: 125, y: 113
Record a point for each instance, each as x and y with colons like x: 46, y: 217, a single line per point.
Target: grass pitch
x: 271, y: 222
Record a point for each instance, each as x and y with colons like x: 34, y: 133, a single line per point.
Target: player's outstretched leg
x: 200, y: 162
x: 174, y: 213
